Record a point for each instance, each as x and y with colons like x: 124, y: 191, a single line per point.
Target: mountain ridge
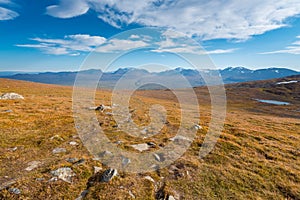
x: 109, y: 79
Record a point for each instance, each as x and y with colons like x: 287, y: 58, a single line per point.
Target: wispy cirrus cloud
x: 69, y: 45
x: 176, y: 42
x: 6, y: 13
x: 233, y: 19
x: 294, y: 48
x: 73, y: 45
x: 116, y: 45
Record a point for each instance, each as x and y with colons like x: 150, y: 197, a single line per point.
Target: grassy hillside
x: 256, y: 157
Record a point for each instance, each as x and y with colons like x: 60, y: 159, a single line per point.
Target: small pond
x: 274, y: 102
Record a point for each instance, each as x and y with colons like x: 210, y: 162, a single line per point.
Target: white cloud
x: 116, y: 45
x: 7, y: 14
x: 68, y: 9
x: 69, y: 45
x: 232, y: 19
x: 134, y: 37
x: 292, y: 49
x: 194, y: 50
x: 221, y: 51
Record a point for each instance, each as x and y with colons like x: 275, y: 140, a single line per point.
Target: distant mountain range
x: 171, y: 78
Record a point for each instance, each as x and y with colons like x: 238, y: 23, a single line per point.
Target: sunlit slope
x: 256, y: 157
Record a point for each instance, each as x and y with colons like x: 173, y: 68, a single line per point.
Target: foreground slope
x: 256, y: 157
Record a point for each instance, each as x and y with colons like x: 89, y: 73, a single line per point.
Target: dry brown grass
x: 256, y: 157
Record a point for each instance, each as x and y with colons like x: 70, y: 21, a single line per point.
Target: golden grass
x: 256, y: 157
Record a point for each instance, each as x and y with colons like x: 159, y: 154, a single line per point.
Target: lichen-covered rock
x: 32, y: 165
x: 64, y: 173
x: 7, y: 96
x: 108, y: 175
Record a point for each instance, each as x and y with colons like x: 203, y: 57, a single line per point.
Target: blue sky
x: 58, y: 35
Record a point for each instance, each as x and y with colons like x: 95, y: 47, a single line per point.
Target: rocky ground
x: 43, y: 157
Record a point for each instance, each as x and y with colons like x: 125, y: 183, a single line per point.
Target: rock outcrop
x: 7, y: 96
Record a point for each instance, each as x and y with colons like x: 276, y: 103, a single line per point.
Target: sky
x: 58, y: 35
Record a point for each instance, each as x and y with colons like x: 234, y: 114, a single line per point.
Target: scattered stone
x: 125, y: 161
x: 109, y: 113
x: 14, y: 191
x: 151, y: 144
x: 7, y: 184
x: 105, y: 153
x: 144, y: 131
x: 13, y: 149
x: 102, y: 108
x: 92, y: 108
x: 131, y: 194
x: 197, y: 127
x: 140, y: 147
x: 73, y: 143
x: 64, y: 173
x: 59, y: 150
x: 159, y: 157
x: 32, y: 165
x: 79, y: 162
x: 108, y: 175
x: 97, y: 169
x: 75, y: 136
x: 7, y: 96
x: 72, y: 160
x: 53, y: 179
x: 39, y: 179
x: 179, y: 138
x: 8, y: 111
x: 149, y: 178
x: 154, y: 166
x: 118, y: 142
x: 82, y: 195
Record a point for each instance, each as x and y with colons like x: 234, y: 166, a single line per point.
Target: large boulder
x: 11, y: 96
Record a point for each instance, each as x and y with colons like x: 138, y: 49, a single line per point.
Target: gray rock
x: 6, y: 184
x: 59, y: 150
x: 82, y: 194
x: 180, y: 140
x: 64, y: 173
x: 32, y: 165
x: 105, y: 153
x: 151, y: 144
x: 125, y: 161
x: 14, y: 191
x: 159, y: 157
x: 80, y: 162
x: 72, y: 160
x: 7, y: 96
x: 118, y: 142
x: 108, y: 175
